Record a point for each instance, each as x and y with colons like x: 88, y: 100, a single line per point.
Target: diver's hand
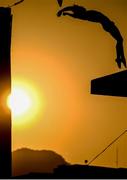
x: 60, y: 13
x: 74, y: 11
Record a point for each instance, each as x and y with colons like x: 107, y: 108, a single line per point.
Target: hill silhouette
x: 46, y: 164
x: 27, y: 160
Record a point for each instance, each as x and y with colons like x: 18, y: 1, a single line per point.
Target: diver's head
x: 59, y: 13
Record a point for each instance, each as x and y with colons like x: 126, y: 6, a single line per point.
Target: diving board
x: 110, y: 85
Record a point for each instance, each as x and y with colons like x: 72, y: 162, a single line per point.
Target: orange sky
x: 60, y: 56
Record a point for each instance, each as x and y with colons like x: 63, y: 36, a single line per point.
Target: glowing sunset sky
x: 59, y: 57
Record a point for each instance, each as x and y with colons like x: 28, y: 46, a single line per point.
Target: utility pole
x: 5, y: 90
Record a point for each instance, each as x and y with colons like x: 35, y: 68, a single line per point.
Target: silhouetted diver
x: 95, y: 16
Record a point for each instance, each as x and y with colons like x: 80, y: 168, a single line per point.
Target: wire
x: 107, y: 147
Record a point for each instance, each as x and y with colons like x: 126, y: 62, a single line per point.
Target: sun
x: 19, y: 101
x: 24, y: 102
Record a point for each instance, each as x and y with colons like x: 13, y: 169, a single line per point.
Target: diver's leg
x: 122, y: 54
x: 118, y: 58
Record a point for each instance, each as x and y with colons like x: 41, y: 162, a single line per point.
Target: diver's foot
x: 124, y: 62
x: 120, y: 61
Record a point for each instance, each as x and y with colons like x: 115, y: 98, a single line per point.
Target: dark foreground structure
x: 112, y: 85
x: 5, y: 89
x: 79, y: 172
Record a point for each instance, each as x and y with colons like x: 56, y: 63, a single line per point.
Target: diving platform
x: 110, y: 85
